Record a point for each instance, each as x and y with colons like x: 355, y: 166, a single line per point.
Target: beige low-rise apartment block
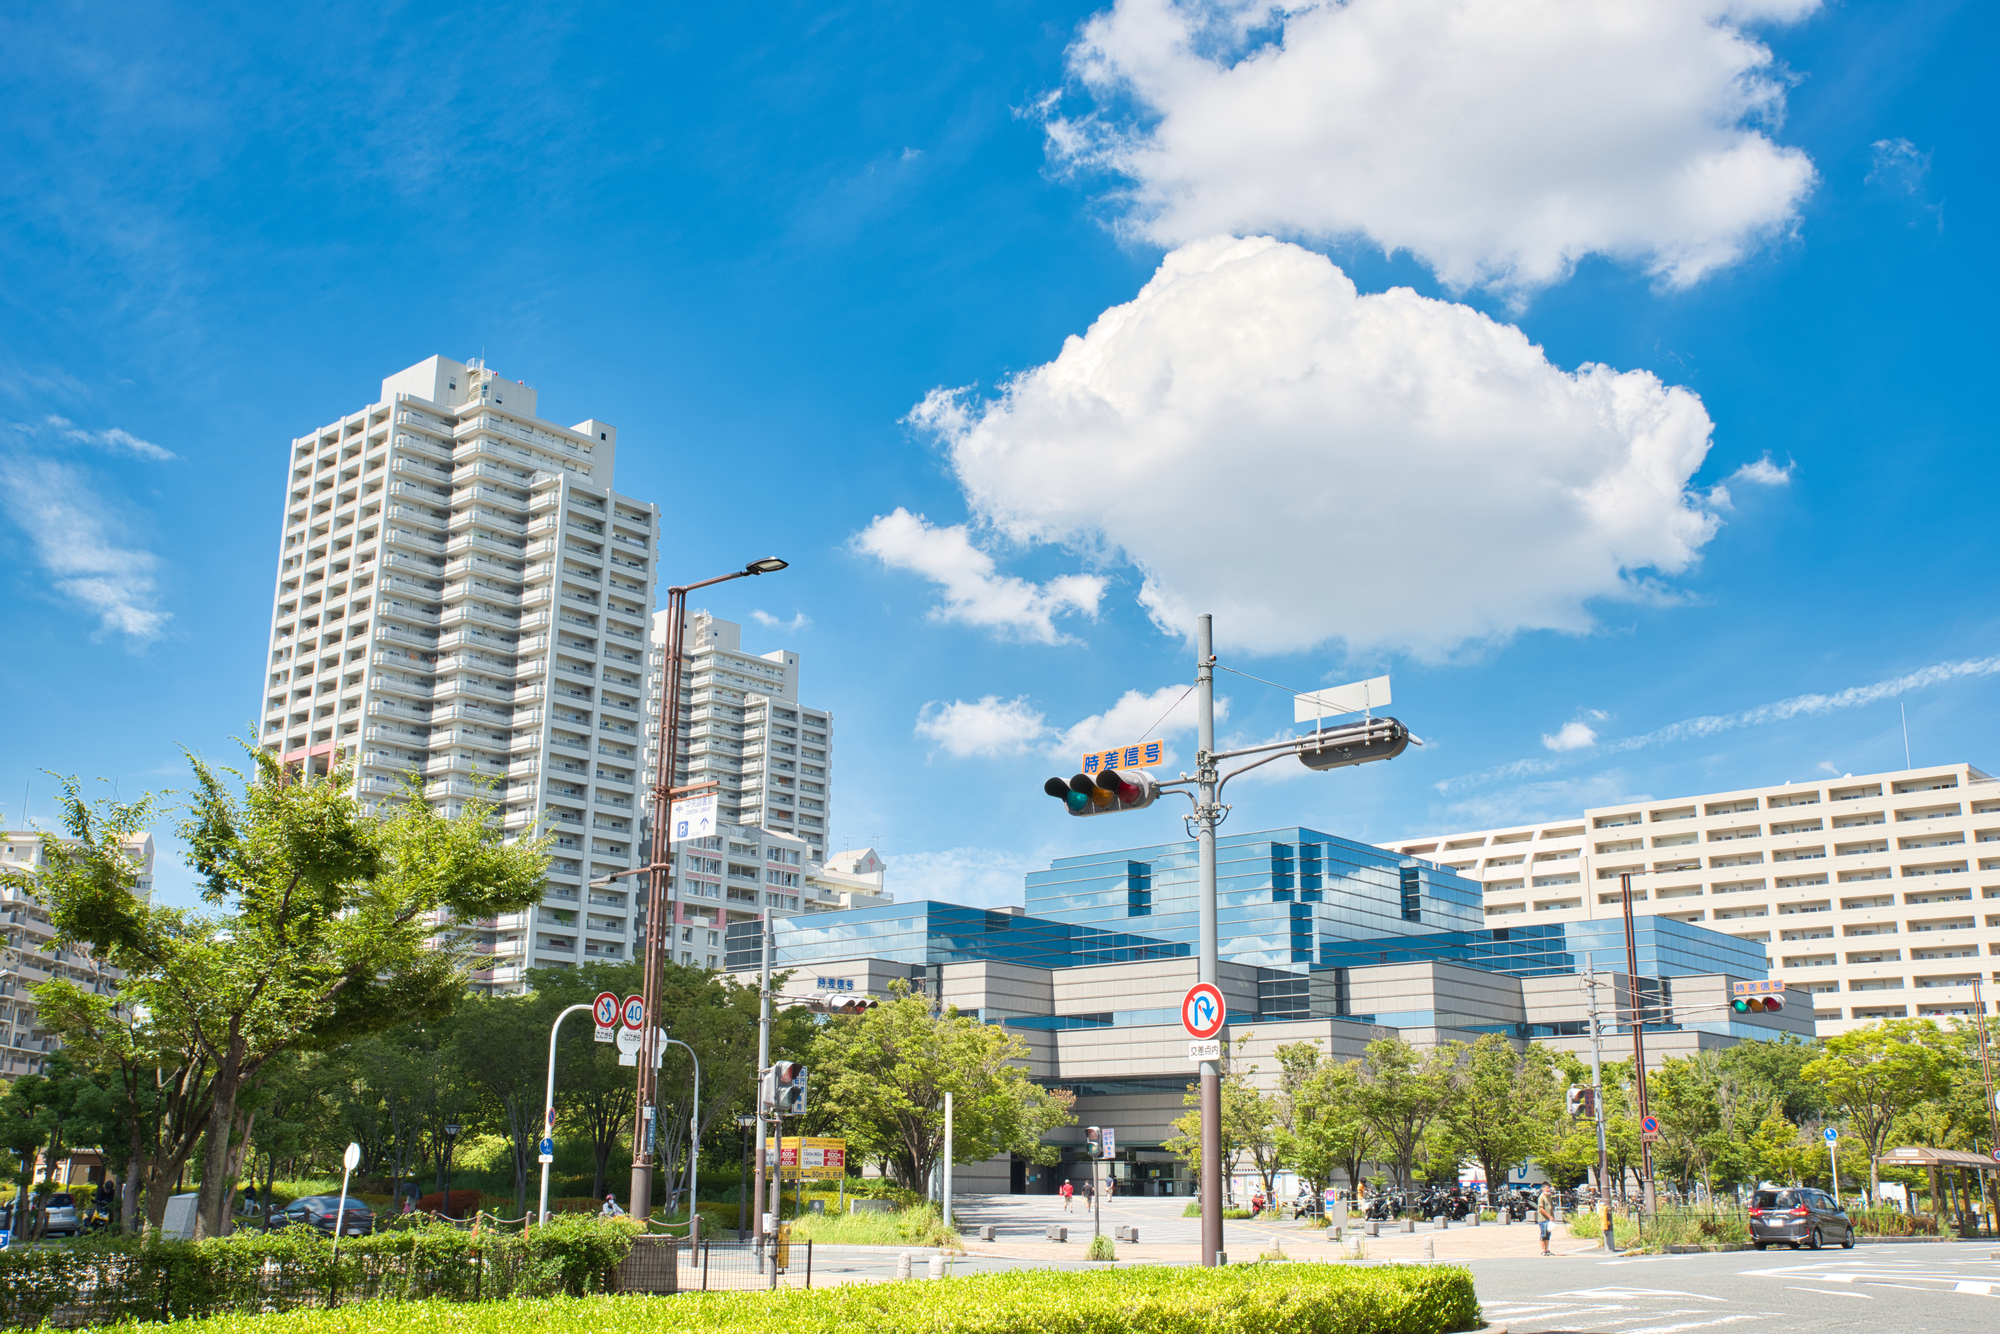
x: 30, y: 955
x: 1868, y: 891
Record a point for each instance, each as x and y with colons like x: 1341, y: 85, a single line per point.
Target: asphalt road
x: 1909, y: 1289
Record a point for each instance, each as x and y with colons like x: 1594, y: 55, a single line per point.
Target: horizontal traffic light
x: 856, y: 1005
x: 1112, y: 790
x: 1758, y: 1004
x: 1356, y: 743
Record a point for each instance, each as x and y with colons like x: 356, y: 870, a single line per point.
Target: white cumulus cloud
x: 1137, y: 716
x: 1763, y: 472
x: 1312, y: 464
x: 1498, y: 142
x: 80, y: 559
x: 986, y: 726
x: 973, y: 593
x: 1573, y: 735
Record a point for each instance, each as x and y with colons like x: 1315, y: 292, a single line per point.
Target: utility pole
x: 1986, y: 1074
x: 1597, y: 1105
x: 1207, y: 811
x: 1638, y: 1033
x: 659, y: 907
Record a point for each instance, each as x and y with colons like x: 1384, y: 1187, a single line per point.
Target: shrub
x: 1101, y: 1248
x: 132, y: 1279
x: 1249, y: 1299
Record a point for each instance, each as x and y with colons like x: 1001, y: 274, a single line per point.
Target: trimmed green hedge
x: 1249, y: 1299
x: 105, y: 1281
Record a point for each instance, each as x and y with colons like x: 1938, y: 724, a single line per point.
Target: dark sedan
x: 324, y: 1212
x: 1798, y: 1216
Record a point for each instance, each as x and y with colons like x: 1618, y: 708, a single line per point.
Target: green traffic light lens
x: 1740, y: 1005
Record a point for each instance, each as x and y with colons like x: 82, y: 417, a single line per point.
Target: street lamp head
x: 768, y: 565
x: 745, y: 1121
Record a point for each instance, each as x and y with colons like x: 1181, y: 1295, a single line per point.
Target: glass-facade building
x: 1302, y: 907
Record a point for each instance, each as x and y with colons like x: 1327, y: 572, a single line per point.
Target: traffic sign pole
x: 1207, y: 813
x: 549, y: 1106
x: 1833, y: 1158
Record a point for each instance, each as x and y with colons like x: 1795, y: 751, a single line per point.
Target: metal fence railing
x: 670, y: 1265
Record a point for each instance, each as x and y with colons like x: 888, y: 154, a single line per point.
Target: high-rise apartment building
x: 30, y: 955
x: 744, y: 728
x: 1867, y: 891
x: 462, y: 596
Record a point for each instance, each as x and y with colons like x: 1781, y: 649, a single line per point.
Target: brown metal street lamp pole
x: 1638, y: 1035
x: 657, y: 905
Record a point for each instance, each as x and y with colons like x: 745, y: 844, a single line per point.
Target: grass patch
x: 1101, y: 1248
x: 918, y: 1226
x: 1247, y: 1299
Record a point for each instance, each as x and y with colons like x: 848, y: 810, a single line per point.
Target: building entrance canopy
x: 1918, y: 1156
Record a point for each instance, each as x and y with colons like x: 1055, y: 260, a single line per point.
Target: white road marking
x: 1630, y: 1293
x: 1695, y: 1324
x: 1983, y: 1289
x: 1833, y: 1292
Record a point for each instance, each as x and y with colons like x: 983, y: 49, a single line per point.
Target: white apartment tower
x: 744, y: 728
x: 1869, y: 891
x: 463, y: 596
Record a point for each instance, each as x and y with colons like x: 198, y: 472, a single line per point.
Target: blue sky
x: 819, y: 267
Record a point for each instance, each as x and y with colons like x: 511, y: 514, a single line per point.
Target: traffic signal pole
x: 1207, y: 811
x: 1104, y: 788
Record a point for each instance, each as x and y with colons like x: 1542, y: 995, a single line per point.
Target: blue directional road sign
x: 548, y: 1146
x: 1831, y: 1134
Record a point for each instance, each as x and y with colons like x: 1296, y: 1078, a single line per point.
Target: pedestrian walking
x: 1068, y: 1194
x: 1545, y: 1214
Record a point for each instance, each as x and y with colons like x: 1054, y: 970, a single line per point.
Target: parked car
x: 320, y: 1212
x: 1798, y: 1216
x: 59, y: 1215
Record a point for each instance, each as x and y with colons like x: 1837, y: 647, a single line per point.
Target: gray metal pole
x: 1207, y: 787
x: 948, y: 1150
x: 763, y: 1064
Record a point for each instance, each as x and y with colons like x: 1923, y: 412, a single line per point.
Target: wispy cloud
x: 79, y: 557
x: 791, y: 627
x: 976, y: 877
x: 1900, y: 169
x: 115, y: 440
x: 1714, y: 724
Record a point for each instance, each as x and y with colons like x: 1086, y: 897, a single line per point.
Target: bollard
x: 1360, y: 1252
x: 936, y: 1266
x: 903, y: 1265
x: 1374, y: 1227
x: 1221, y: 1259
x: 1430, y: 1248
x: 1472, y: 1220
x: 987, y: 1232
x: 1409, y: 1225
x: 1056, y: 1232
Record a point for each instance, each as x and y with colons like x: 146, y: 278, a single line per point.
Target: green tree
x: 1877, y: 1073
x: 1505, y: 1107
x: 1244, y: 1115
x: 1402, y: 1092
x: 161, y: 1081
x: 886, y: 1071
x: 317, y: 926
x: 503, y: 1043
x: 1319, y: 1126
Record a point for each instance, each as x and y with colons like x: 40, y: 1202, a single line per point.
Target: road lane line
x: 1833, y: 1292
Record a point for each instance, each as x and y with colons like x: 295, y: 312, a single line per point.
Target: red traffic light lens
x: 1774, y: 1002
x: 1114, y: 782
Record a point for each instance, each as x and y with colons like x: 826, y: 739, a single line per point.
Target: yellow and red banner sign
x: 823, y: 1158
x: 1145, y: 755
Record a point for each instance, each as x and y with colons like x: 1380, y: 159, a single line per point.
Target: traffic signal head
x: 787, y: 1083
x: 1576, y: 1100
x: 1111, y: 790
x: 1589, y: 1103
x: 1355, y: 743
x: 1758, y: 1004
